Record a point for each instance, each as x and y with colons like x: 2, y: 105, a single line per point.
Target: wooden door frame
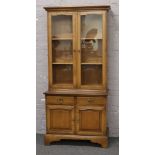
x: 104, y: 50
x: 50, y: 68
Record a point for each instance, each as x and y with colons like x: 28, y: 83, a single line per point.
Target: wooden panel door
x: 92, y: 50
x: 60, y: 119
x: 61, y: 49
x: 91, y: 120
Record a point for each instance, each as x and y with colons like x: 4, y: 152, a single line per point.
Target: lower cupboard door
x: 60, y: 119
x: 91, y: 120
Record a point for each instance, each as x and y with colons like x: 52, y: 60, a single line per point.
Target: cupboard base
x: 102, y: 140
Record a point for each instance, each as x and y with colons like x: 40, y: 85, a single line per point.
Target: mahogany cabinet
x: 76, y: 99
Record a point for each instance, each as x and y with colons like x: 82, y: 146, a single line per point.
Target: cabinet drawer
x: 91, y: 100
x: 59, y: 100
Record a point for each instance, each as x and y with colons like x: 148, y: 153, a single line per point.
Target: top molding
x: 76, y: 8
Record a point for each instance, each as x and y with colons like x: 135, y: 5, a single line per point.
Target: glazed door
x: 61, y: 37
x: 60, y: 119
x: 91, y: 120
x: 92, y: 50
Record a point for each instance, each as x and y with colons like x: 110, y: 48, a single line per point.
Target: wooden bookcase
x: 76, y: 99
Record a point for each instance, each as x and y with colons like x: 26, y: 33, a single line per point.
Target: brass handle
x: 90, y: 100
x: 60, y: 100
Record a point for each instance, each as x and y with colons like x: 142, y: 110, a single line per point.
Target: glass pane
x: 62, y: 26
x: 91, y: 26
x: 91, y: 74
x: 62, y: 74
x: 91, y: 51
x: 62, y: 50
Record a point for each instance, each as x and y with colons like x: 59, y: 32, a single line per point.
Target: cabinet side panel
x: 104, y: 68
x: 49, y: 50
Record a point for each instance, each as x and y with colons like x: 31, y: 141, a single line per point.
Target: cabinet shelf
x: 91, y: 63
x: 91, y: 38
x: 61, y: 63
x: 62, y: 38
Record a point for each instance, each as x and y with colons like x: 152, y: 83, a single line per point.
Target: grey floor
x: 75, y: 147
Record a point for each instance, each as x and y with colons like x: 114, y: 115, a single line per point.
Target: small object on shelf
x: 91, y: 33
x: 91, y: 51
